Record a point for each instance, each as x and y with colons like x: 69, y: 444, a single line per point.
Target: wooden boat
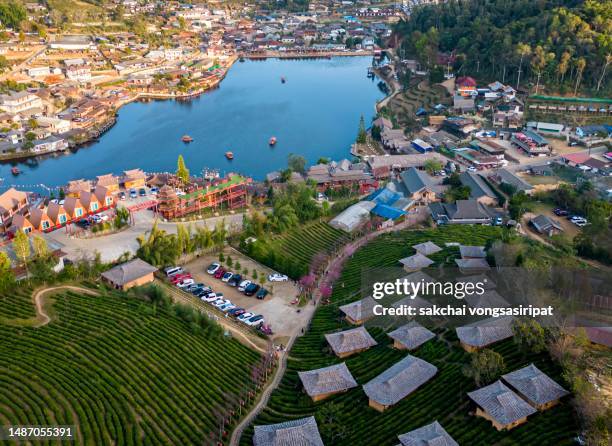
x: 187, y: 139
x: 272, y: 141
x: 283, y: 80
x: 229, y: 155
x: 15, y: 171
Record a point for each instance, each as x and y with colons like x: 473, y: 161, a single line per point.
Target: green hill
x: 122, y: 370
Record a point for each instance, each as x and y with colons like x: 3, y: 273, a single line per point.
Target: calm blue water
x: 315, y: 113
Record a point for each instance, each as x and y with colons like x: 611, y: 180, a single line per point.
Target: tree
x: 580, y: 65
x: 296, y: 163
x: 529, y: 335
x: 522, y: 50
x: 518, y: 205
x: 181, y: 170
x: 361, y: 134
x: 7, y: 278
x: 12, y: 14
x: 432, y: 166
x: 21, y: 246
x: 41, y: 249
x: 485, y: 367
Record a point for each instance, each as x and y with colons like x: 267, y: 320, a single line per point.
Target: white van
x: 172, y: 270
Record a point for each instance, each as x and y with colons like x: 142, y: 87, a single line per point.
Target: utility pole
x: 504, y: 75
x: 538, y: 83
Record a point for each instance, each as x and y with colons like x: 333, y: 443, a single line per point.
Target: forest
x: 554, y: 46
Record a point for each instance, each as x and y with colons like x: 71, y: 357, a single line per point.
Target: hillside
x: 123, y: 370
x: 567, y: 42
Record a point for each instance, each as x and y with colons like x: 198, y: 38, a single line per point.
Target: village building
x: 57, y: 214
x: 501, y: 406
x: 410, y: 336
x: 130, y: 274
x: 419, y: 187
x: 89, y: 202
x: 20, y: 102
x: 461, y: 212
x: 40, y: 220
x: 479, y: 189
x: 504, y: 176
x: 109, y: 181
x: 303, y: 431
x: 134, y: 179
x: 472, y: 266
x: 322, y: 383
x: 12, y: 202
x: 415, y: 262
x: 485, y: 332
x: 537, y: 388
x: 75, y: 187
x: 383, y: 166
x: 74, y: 209
x: 21, y: 223
x: 349, y: 342
x: 398, y: 381
x: 341, y: 174
x: 358, y: 312
x: 353, y: 217
x: 472, y: 252
x: 531, y: 143
x: 488, y: 299
x: 546, y: 225
x: 427, y: 248
x: 431, y: 435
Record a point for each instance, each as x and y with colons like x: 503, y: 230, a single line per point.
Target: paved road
x: 113, y: 246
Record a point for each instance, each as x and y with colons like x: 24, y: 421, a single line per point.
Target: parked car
x: 142, y: 192
x: 235, y: 312
x: 255, y: 321
x: 242, y: 286
x: 244, y: 316
x: 219, y: 273
x: 213, y: 268
x: 221, y: 302
x: 178, y: 277
x: 210, y: 298
x: 227, y: 276
x: 133, y: 193
x: 84, y: 223
x: 185, y: 283
x: 561, y: 212
x: 498, y: 221
x: 235, y: 280
x: 104, y: 217
x: 472, y: 169
x: 154, y: 191
x: 276, y: 277
x: 122, y: 196
x: 251, y: 289
x: 173, y: 270
x: 262, y: 293
x: 227, y: 307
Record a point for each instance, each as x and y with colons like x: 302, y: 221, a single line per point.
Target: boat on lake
x: 15, y: 171
x: 187, y: 139
x: 283, y: 80
x: 272, y: 141
x: 229, y: 155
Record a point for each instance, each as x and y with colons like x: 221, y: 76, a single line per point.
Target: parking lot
x: 284, y: 317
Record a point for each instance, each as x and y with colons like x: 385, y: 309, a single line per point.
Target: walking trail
x: 325, y: 280
x: 42, y: 317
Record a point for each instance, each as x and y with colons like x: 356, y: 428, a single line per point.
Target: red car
x: 179, y: 277
x: 220, y: 273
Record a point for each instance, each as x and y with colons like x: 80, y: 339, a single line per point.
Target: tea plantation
x: 346, y: 419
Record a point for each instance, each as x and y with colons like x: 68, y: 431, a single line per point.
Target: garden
x: 346, y: 419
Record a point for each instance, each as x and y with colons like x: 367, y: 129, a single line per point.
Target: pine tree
x: 361, y: 135
x: 181, y: 171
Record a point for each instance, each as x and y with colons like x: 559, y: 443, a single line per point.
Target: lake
x: 315, y: 113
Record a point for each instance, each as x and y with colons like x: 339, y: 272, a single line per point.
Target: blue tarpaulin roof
x: 388, y: 212
x: 384, y: 196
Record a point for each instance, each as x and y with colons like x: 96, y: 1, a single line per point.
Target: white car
x: 172, y: 270
x: 227, y: 276
x: 221, y: 302
x: 96, y: 219
x: 227, y: 307
x: 276, y: 277
x: 210, y: 298
x: 213, y: 268
x: 104, y: 217
x: 185, y: 283
x: 255, y: 321
x: 244, y: 316
x: 243, y: 285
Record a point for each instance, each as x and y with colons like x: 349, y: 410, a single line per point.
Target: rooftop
x: 361, y: 309
x: 301, y: 432
x: 431, y: 435
x: 350, y: 340
x: 501, y: 403
x: 128, y: 272
x: 417, y: 260
x: 412, y: 335
x: 486, y: 331
x: 534, y: 385
x: 335, y: 378
x: 427, y: 248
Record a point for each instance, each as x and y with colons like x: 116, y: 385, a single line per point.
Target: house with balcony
x: 20, y: 102
x: 12, y: 202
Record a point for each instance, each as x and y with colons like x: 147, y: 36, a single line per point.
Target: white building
x: 20, y: 102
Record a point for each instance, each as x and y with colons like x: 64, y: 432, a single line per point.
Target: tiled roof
x: 486, y: 331
x: 417, y: 260
x: 335, y: 378
x: 534, y: 385
x: 301, y: 432
x: 350, y: 340
x: 478, y: 187
x: 361, y: 309
x: 475, y: 264
x: 413, y: 302
x: 399, y: 380
x: 427, y: 248
x: 476, y: 252
x: 501, y: 403
x: 412, y: 335
x: 416, y: 180
x: 489, y: 299
x: 129, y: 271
x: 487, y: 283
x: 431, y: 435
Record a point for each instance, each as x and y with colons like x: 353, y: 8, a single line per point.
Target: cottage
x: 410, y: 336
x: 322, y: 383
x: 134, y: 179
x: 546, y: 225
x: 472, y: 266
x: 461, y: 212
x: 348, y: 342
x: 504, y: 176
x: 104, y: 196
x: 75, y: 187
x: 74, y: 209
x: 89, y: 202
x: 109, y: 181
x: 501, y: 406
x: 303, y: 431
x: 479, y: 189
x: 419, y: 186
x: 472, y: 252
x: 415, y: 262
x: 358, y: 312
x: 427, y: 248
x: 130, y: 274
x: 21, y: 223
x: 431, y: 435
x: 488, y: 299
x: 398, y: 381
x: 57, y: 214
x: 485, y: 332
x: 537, y: 388
x: 12, y: 202
x: 20, y: 102
x: 40, y: 220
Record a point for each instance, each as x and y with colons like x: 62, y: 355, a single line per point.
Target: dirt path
x: 325, y: 280
x: 42, y: 316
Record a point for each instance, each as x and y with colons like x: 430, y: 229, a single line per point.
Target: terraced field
x: 122, y: 371
x: 404, y: 105
x: 346, y: 419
